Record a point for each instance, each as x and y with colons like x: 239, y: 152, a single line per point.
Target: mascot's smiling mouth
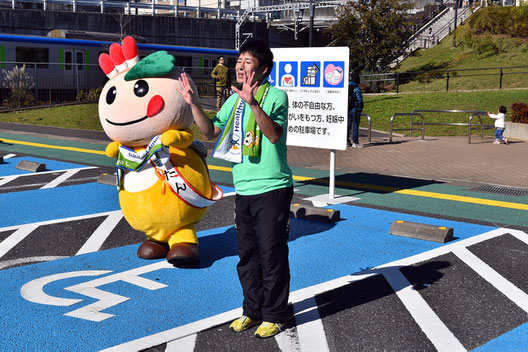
x: 126, y: 123
x: 155, y: 105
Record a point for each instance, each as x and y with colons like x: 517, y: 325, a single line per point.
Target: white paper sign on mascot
x: 163, y: 182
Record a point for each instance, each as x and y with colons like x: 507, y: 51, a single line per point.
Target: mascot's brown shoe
x: 152, y: 250
x: 184, y: 254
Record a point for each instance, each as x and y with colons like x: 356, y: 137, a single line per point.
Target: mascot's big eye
x: 111, y: 95
x: 141, y: 88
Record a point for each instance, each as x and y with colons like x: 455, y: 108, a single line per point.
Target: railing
x: 154, y: 7
x: 399, y: 78
x: 369, y: 124
x: 411, y: 128
x: 471, y: 127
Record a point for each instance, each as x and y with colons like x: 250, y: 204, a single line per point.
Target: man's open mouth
x: 126, y: 123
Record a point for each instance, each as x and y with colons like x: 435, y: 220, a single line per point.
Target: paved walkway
x: 435, y: 158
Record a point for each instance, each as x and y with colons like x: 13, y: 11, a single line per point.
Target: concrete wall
x: 516, y: 131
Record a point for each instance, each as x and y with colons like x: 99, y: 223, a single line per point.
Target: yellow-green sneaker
x: 243, y: 323
x: 267, y: 329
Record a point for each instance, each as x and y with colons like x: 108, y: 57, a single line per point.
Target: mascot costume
x: 163, y: 181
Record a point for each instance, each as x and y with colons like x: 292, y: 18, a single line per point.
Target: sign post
x: 316, y: 80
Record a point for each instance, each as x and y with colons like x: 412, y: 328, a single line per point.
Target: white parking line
x: 312, y: 336
x: 185, y: 344
x: 413, y: 301
x: 61, y: 178
x: 498, y: 281
x: 96, y: 240
x: 437, y: 332
x: 15, y: 238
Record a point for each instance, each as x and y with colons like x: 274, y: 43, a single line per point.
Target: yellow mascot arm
x: 178, y: 138
x: 112, y: 149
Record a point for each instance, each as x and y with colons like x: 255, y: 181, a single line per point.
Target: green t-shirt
x: 270, y: 171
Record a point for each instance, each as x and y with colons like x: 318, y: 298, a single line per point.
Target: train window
x: 24, y: 54
x: 183, y: 61
x: 206, y: 63
x: 68, y: 59
x: 231, y: 62
x: 79, y: 59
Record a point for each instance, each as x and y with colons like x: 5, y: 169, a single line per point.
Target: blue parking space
x: 8, y: 167
x: 121, y: 297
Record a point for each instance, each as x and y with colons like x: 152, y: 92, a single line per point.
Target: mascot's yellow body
x: 163, y: 182
x: 157, y: 211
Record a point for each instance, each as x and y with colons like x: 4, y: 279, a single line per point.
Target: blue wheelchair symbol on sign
x: 310, y: 74
x: 288, y: 74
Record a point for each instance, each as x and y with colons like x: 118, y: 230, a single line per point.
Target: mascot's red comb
x: 120, y: 58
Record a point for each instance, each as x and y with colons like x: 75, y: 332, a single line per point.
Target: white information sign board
x: 316, y: 80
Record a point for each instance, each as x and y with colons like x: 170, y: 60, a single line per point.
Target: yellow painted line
x: 494, y: 203
x: 411, y: 192
x: 49, y: 146
x: 455, y: 198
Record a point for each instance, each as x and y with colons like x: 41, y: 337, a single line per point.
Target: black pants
x: 262, y: 227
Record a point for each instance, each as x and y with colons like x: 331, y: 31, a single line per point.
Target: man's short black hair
x: 502, y: 109
x: 220, y: 57
x: 259, y: 50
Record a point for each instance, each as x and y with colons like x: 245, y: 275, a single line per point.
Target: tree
x: 375, y: 31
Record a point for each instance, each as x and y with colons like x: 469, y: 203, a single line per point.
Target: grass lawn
x: 82, y: 116
x: 514, y: 52
x: 379, y: 107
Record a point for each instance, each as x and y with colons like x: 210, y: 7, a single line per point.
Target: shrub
x: 20, y: 84
x: 519, y: 113
x: 91, y: 95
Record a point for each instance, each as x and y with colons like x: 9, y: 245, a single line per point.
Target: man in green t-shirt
x: 223, y: 82
x: 252, y: 126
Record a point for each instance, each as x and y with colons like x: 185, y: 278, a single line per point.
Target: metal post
x: 456, y: 19
x: 447, y: 82
x: 397, y: 82
x: 500, y: 80
x: 331, y: 194
x: 310, y: 36
x: 36, y: 84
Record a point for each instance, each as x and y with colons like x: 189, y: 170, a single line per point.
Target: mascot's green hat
x: 156, y: 64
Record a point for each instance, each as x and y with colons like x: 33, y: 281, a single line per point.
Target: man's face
x: 221, y: 61
x: 246, y: 64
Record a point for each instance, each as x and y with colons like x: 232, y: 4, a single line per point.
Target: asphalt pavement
x: 354, y: 286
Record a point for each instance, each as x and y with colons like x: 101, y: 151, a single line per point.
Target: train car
x: 54, y: 65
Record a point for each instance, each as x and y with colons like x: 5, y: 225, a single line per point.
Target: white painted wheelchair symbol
x: 33, y: 291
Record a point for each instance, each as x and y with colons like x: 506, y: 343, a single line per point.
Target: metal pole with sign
x: 316, y: 80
